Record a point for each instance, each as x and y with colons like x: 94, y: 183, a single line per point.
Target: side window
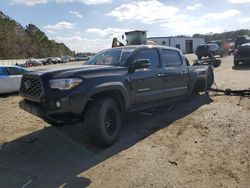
x: 21, y: 71
x: 3, y: 71
x: 14, y: 71
x: 151, y: 54
x: 171, y: 58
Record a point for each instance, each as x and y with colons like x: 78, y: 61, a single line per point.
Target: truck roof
x: 148, y: 46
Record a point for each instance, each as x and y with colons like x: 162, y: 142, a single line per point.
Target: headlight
x: 64, y: 84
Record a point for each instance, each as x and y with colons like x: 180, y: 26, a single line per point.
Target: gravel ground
x: 199, y: 142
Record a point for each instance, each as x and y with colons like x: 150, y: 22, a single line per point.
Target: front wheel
x: 103, y: 121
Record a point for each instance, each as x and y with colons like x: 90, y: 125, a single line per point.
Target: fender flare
x: 103, y: 87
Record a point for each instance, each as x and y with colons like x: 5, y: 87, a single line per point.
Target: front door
x: 15, y: 77
x: 5, y: 81
x: 146, y: 84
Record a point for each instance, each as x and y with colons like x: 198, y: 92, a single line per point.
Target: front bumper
x: 69, y: 110
x: 32, y: 108
x: 242, y: 59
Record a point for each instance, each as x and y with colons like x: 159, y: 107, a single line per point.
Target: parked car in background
x: 65, y: 59
x: 33, y: 62
x: 224, y: 47
x: 207, y: 50
x: 71, y: 58
x: 49, y: 60
x: 242, y: 55
x: 241, y: 40
x: 82, y: 58
x: 58, y: 60
x: 231, y: 48
x: 10, y: 78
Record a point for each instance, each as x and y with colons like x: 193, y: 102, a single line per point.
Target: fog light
x: 58, y: 104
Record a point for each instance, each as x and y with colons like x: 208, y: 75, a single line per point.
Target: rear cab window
x: 171, y: 58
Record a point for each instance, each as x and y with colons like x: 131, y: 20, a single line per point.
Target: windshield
x: 116, y: 57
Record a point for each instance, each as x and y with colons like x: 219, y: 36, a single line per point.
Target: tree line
x: 227, y: 35
x: 18, y: 42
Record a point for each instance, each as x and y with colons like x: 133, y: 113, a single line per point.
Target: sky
x: 90, y: 25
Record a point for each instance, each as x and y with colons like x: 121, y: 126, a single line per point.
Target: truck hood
x: 77, y: 70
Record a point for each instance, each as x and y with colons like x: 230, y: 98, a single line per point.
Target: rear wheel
x: 103, y: 121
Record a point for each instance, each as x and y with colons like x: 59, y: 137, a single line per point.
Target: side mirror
x: 141, y: 64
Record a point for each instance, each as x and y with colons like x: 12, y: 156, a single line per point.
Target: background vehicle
x: 241, y: 40
x: 82, y: 58
x: 242, y: 54
x: 109, y: 84
x: 65, y: 59
x: 207, y: 50
x: 49, y: 60
x: 33, y: 62
x: 231, y: 48
x: 58, y: 60
x: 224, y: 47
x: 10, y: 78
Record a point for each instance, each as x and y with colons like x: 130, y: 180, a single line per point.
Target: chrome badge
x: 27, y: 84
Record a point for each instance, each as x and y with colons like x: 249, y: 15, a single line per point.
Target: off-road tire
x: 103, y: 122
x: 216, y: 63
x: 210, y: 77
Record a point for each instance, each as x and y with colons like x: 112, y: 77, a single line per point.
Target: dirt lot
x: 199, y: 142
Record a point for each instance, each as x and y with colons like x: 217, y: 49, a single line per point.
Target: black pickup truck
x: 109, y: 84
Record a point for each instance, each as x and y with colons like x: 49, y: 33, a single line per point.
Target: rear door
x: 176, y: 73
x: 147, y: 84
x: 5, y: 81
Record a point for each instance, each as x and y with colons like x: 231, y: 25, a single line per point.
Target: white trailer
x: 186, y: 44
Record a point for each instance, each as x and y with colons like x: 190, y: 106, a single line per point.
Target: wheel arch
x: 116, y: 91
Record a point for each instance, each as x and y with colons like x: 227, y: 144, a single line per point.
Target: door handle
x: 182, y: 72
x: 161, y: 74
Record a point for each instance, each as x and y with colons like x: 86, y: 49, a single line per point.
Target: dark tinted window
x: 151, y: 55
x: 3, y: 71
x: 14, y: 71
x: 171, y: 58
x: 213, y: 47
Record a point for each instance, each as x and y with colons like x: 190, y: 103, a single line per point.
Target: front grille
x: 31, y: 87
